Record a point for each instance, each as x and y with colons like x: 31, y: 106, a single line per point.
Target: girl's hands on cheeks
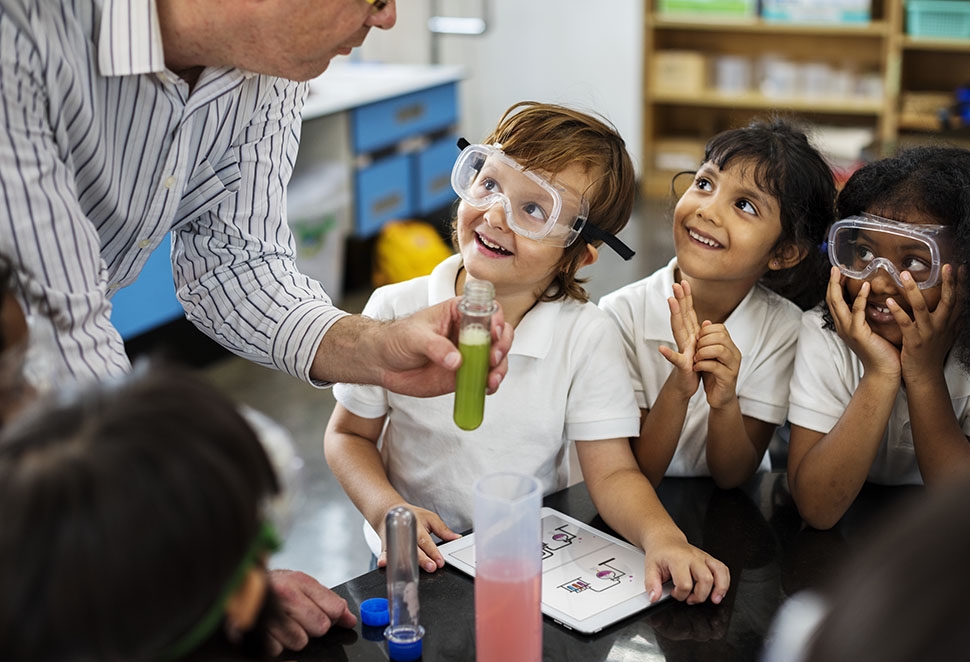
x: 428, y: 522
x: 718, y: 359
x: 685, y: 328
x: 876, y: 353
x: 928, y: 336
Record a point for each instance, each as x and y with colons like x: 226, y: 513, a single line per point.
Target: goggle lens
x: 534, y: 207
x: 859, y: 246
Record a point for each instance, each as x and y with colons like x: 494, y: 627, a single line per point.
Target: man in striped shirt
x: 124, y: 120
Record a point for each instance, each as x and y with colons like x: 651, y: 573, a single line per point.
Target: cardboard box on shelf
x: 679, y: 72
x: 676, y: 154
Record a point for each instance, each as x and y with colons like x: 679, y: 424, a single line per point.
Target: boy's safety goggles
x: 535, y: 207
x: 858, y: 245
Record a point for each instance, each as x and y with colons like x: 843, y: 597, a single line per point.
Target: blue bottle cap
x: 404, y: 644
x: 373, y: 612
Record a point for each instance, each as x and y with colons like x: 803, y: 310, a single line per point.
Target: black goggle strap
x: 462, y: 144
x: 592, y: 233
x: 589, y: 231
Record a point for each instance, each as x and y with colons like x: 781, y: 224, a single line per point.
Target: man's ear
x: 589, y: 256
x: 242, y: 607
x: 787, y: 256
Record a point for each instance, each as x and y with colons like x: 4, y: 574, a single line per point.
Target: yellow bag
x: 407, y: 249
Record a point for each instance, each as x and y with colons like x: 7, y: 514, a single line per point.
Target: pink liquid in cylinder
x: 508, y: 616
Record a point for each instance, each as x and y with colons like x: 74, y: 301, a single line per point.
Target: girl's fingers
x: 861, y: 300
x: 914, y: 296
x: 677, y: 323
x: 686, y: 300
x: 948, y: 298
x: 835, y: 300
x: 906, y: 324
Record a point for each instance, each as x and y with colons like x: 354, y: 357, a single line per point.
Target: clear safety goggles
x: 858, y: 245
x: 534, y: 207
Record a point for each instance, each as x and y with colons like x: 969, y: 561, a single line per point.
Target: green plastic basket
x: 718, y: 8
x: 944, y: 19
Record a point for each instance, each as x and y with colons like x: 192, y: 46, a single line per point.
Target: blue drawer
x: 432, y: 175
x: 385, y: 123
x: 383, y: 193
x: 150, y: 301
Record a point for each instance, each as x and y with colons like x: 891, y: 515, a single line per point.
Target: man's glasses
x: 377, y: 6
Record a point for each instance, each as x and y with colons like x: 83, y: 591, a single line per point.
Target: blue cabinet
x: 431, y: 175
x: 406, y: 147
x: 383, y: 193
x: 386, y: 123
x: 150, y: 301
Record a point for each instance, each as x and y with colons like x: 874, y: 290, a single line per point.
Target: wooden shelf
x: 910, y: 43
x: 756, y: 101
x: 693, y: 107
x: 875, y: 29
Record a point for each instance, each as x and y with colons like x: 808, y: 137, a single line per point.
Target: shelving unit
x: 894, y: 80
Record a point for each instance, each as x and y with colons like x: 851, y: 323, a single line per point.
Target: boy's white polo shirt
x: 566, y: 381
x: 764, y: 327
x: 827, y: 374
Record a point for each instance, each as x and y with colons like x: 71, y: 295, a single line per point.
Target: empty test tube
x: 404, y: 633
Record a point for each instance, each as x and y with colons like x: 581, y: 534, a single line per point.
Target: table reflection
x: 755, y: 530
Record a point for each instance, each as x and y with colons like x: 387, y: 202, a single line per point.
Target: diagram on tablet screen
x: 586, y: 575
x: 582, y: 573
x: 560, y: 538
x: 607, y: 578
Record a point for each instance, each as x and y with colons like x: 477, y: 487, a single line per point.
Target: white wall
x: 583, y: 53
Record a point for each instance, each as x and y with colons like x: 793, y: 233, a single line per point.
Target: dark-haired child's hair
x: 126, y: 509
x: 785, y: 164
x: 550, y: 138
x: 6, y: 278
x: 15, y: 392
x: 932, y: 180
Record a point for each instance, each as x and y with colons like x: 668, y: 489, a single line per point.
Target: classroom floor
x: 325, y: 539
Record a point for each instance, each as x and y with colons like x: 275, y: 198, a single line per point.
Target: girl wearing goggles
x: 878, y: 391
x: 745, y: 235
x: 521, y: 225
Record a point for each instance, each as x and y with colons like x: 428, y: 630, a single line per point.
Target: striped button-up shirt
x: 103, y: 151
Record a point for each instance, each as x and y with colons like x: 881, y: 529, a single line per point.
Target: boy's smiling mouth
x: 495, y: 248
x: 703, y: 239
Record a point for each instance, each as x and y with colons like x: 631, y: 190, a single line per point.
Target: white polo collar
x: 533, y: 335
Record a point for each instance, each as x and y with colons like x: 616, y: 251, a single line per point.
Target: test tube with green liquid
x: 474, y: 343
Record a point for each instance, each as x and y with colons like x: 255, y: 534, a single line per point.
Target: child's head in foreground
x: 133, y: 525
x: 910, y: 213
x: 772, y: 161
x: 14, y: 390
x: 527, y: 190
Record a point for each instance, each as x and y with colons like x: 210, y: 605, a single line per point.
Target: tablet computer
x: 590, y: 579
